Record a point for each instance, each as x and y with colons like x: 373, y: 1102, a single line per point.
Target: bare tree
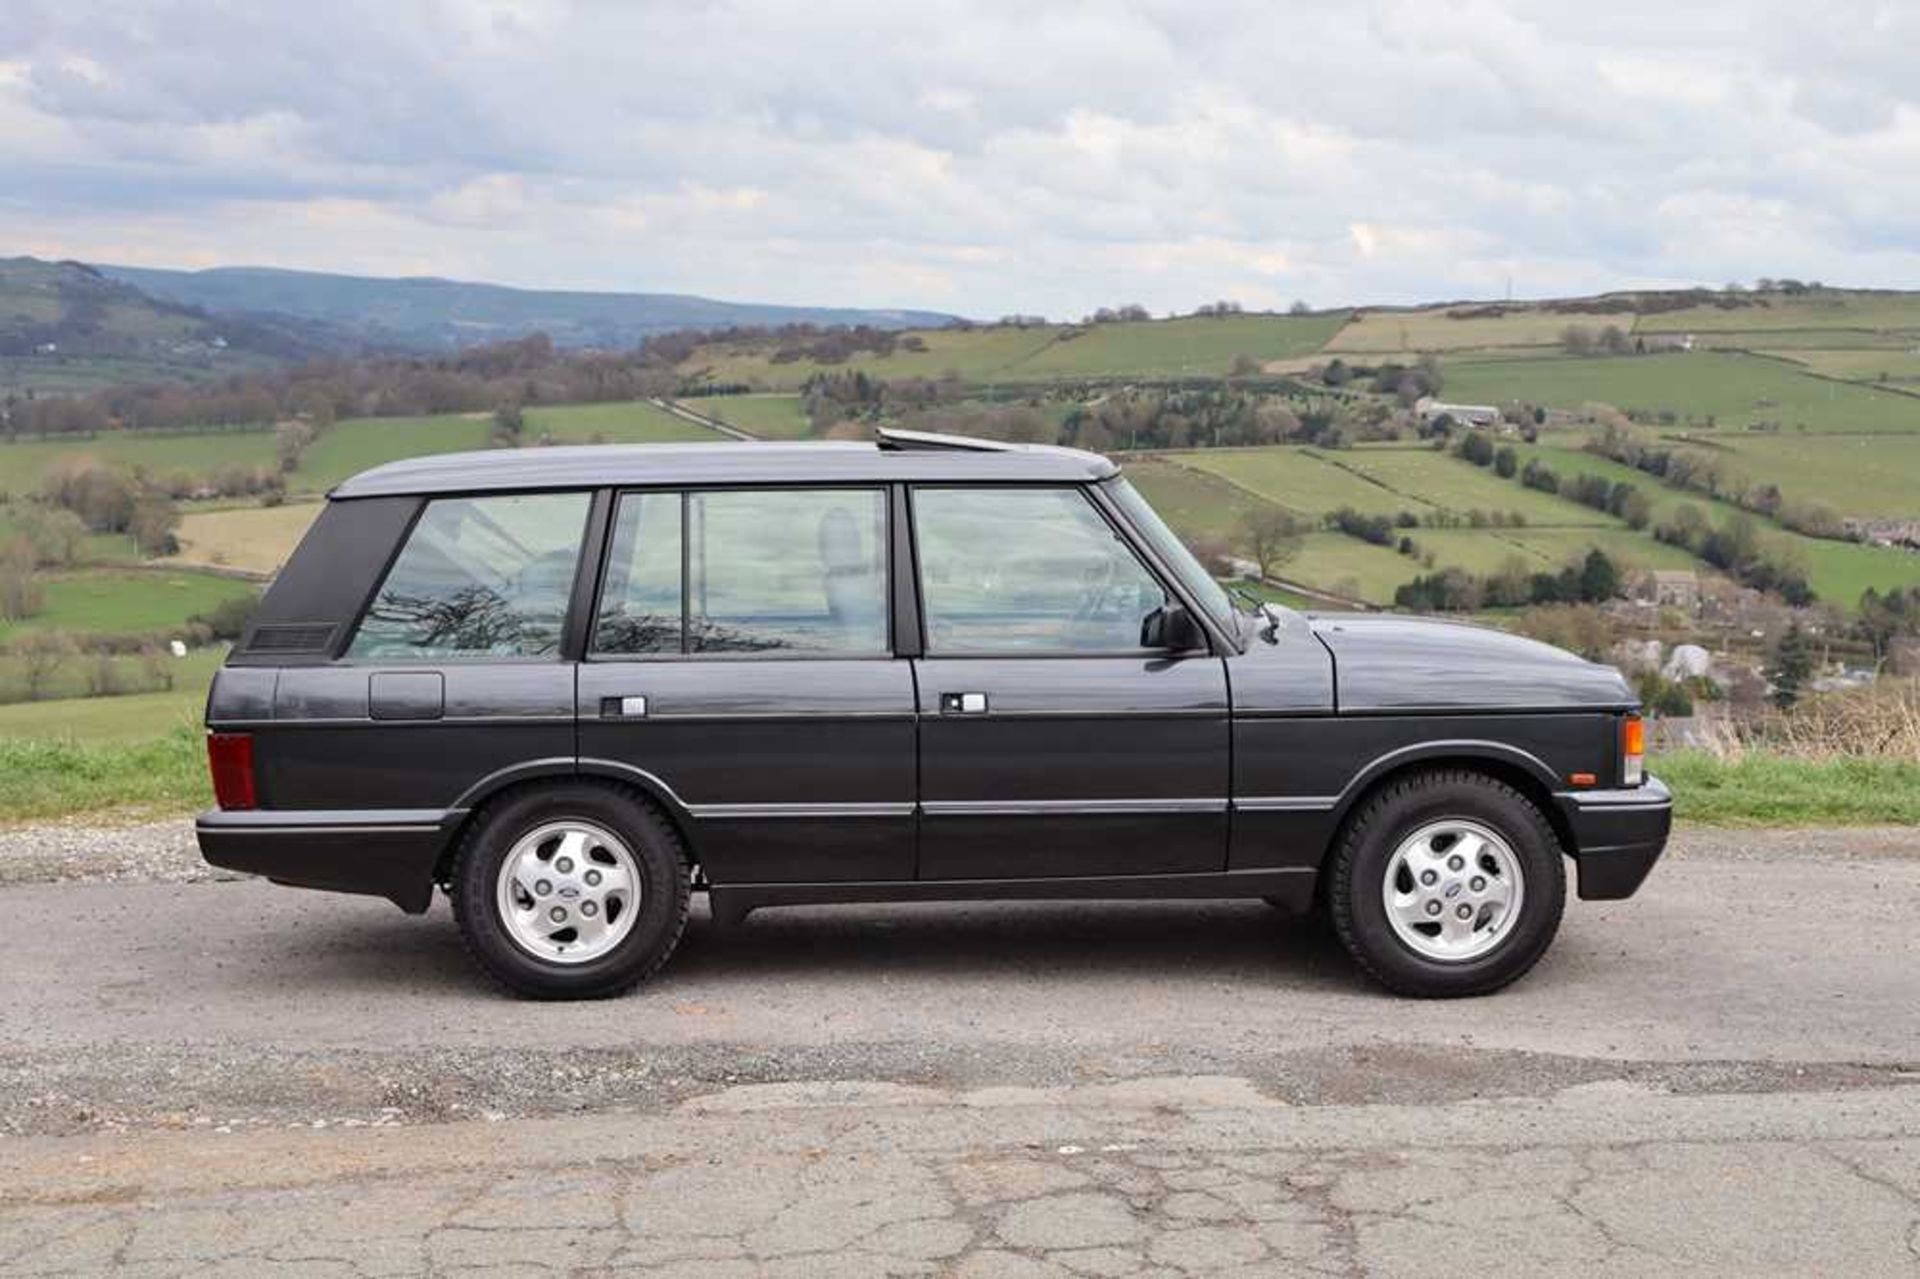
x: 1271, y: 536
x: 40, y: 654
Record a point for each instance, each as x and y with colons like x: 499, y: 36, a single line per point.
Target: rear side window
x: 744, y: 571
x: 478, y: 577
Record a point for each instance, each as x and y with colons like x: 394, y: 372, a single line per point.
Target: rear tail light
x: 230, y: 758
x: 1633, y: 750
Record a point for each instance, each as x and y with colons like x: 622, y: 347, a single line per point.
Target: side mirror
x: 1171, y: 627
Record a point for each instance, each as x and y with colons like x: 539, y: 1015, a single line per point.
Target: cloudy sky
x: 980, y: 157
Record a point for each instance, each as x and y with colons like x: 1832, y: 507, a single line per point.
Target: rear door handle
x: 963, y: 703
x: 634, y: 707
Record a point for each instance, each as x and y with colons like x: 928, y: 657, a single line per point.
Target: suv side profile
x: 573, y: 687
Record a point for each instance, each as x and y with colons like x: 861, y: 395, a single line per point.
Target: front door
x: 1051, y: 742
x: 741, y: 657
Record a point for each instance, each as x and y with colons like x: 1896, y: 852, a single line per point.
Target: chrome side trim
x: 1286, y: 803
x: 270, y: 821
x: 724, y: 812
x: 1069, y: 807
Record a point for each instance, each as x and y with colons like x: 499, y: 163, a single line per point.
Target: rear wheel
x: 570, y: 892
x: 1447, y: 883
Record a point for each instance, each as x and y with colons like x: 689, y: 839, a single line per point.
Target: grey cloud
x: 984, y: 156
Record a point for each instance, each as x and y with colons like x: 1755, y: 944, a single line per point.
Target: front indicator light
x: 1633, y: 751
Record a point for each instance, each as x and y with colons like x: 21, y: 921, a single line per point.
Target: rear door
x: 454, y: 672
x: 1052, y: 743
x: 741, y: 655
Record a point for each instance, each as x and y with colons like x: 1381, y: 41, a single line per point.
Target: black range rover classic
x: 573, y: 686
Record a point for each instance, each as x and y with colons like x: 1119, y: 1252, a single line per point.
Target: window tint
x: 478, y: 577
x: 766, y: 571
x: 1027, y: 570
x: 641, y: 601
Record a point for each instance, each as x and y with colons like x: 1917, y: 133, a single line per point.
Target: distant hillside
x: 435, y: 314
x: 65, y: 326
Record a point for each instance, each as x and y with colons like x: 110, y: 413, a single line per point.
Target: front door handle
x: 623, y: 707
x: 963, y: 703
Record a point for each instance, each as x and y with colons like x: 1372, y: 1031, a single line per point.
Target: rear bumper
x: 1618, y: 835
x: 387, y: 854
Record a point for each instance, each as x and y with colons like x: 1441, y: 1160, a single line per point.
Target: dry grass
x: 1880, y: 722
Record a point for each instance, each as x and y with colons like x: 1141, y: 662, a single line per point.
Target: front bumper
x: 1618, y: 835
x: 387, y: 854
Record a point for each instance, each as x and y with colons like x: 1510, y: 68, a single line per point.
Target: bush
x: 229, y: 619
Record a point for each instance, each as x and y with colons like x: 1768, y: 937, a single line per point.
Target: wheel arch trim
x: 1462, y: 752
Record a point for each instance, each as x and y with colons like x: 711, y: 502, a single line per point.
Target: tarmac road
x: 1720, y: 1076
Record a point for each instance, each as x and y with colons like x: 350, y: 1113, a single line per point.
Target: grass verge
x: 1770, y: 790
x: 42, y: 779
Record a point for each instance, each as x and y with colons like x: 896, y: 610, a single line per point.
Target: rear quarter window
x: 478, y: 577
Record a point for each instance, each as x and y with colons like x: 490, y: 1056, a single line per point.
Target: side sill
x: 1292, y: 886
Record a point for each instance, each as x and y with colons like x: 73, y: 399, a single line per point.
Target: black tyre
x: 572, y: 891
x: 1446, y: 883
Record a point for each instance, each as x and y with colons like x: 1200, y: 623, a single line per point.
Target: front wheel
x: 570, y: 892
x: 1447, y: 883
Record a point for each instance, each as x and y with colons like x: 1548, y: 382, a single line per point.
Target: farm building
x: 1432, y: 410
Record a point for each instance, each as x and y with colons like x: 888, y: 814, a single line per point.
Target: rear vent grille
x: 293, y: 637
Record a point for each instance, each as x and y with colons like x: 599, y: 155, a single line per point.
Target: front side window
x: 478, y: 577
x: 1027, y: 570
x: 745, y: 571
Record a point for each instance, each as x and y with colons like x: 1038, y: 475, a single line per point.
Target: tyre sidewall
x: 655, y: 930
x: 1399, y: 812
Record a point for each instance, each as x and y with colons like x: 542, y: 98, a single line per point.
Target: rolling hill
x: 65, y: 326
x: 435, y: 314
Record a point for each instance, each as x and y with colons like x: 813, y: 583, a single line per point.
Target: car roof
x: 896, y: 456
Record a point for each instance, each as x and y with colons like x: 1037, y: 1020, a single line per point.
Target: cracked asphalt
x: 207, y: 1076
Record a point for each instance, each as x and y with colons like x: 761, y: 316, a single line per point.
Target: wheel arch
x: 545, y: 772
x: 1520, y: 769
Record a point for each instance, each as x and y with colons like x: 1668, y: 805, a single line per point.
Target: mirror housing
x: 1171, y: 627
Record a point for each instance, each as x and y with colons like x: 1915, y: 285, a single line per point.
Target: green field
x: 23, y: 464
x: 1298, y: 479
x: 1899, y: 369
x: 1193, y: 502
x: 1452, y: 484
x: 1836, y: 310
x: 771, y: 417
x: 65, y: 706
x: 1855, y: 475
x: 353, y: 446
x: 1735, y: 390
x: 1407, y: 333
x: 1839, y: 571
x: 1190, y: 346
x: 1348, y: 566
x: 108, y: 601
x: 975, y: 354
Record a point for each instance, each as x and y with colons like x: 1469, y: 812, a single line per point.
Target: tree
x: 1599, y: 579
x: 40, y: 654
x: 1578, y: 339
x: 154, y: 520
x: 509, y: 426
x: 1790, y: 666
x: 1506, y: 461
x: 1271, y: 536
x: 1299, y: 307
x: 20, y: 594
